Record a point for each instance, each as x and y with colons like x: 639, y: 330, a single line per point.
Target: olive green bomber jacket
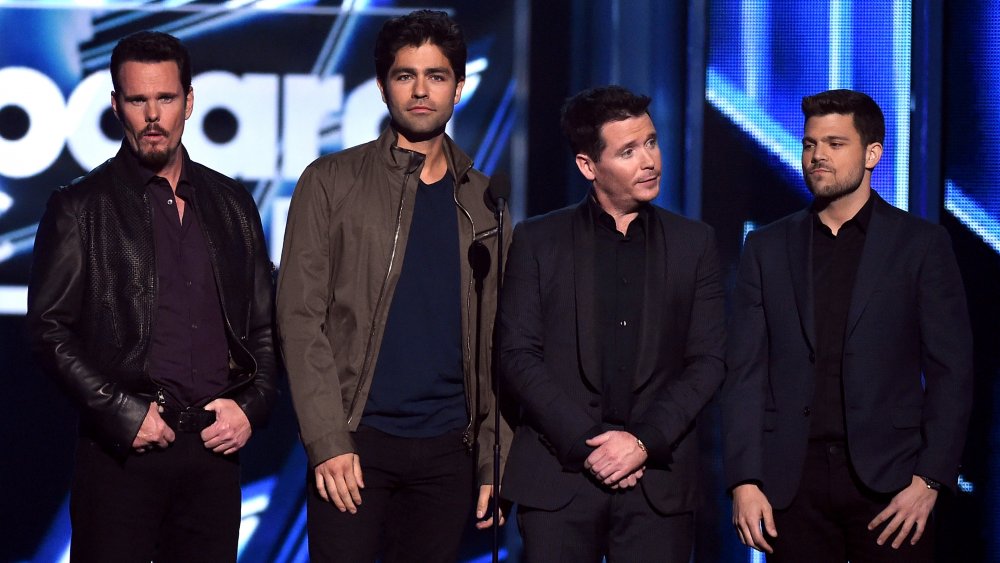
x: 344, y: 243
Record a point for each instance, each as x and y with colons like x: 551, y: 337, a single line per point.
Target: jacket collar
x: 406, y: 161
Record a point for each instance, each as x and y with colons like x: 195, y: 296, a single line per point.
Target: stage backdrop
x: 279, y: 82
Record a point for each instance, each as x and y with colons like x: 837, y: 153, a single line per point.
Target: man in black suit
x: 612, y: 338
x: 849, y: 391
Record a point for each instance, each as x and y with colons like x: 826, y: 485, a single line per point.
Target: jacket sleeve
x: 673, y: 411
x: 946, y: 360
x: 303, y: 298
x: 486, y: 439
x: 744, y: 391
x: 55, y: 293
x: 257, y: 399
x: 544, y: 405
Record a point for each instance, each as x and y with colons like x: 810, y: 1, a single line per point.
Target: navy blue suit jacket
x: 907, y: 363
x: 550, y: 354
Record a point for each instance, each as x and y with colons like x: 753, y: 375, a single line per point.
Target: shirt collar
x: 604, y: 219
x: 862, y: 219
x: 142, y: 176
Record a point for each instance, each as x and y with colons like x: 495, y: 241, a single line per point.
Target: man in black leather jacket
x: 150, y: 301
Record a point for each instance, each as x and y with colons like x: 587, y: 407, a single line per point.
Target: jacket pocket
x: 906, y: 417
x: 109, y: 322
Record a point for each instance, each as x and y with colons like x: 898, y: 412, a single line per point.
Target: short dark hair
x: 151, y: 47
x: 868, y: 118
x: 415, y: 29
x: 584, y: 114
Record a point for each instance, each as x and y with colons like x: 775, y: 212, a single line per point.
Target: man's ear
x: 114, y: 104
x: 873, y: 153
x: 458, y: 91
x: 586, y: 166
x: 381, y: 90
x: 189, y: 103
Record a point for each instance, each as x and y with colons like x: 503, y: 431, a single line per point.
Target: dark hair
x: 151, y: 47
x: 415, y: 29
x: 584, y: 114
x: 868, y: 118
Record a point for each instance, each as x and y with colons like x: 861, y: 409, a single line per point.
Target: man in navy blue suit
x: 612, y: 336
x: 850, y: 363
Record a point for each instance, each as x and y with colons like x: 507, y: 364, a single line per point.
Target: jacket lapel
x: 658, y: 285
x: 882, y: 230
x: 800, y: 231
x: 586, y: 307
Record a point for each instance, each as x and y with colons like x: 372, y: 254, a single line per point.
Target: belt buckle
x: 194, y: 420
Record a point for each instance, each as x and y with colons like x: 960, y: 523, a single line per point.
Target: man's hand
x: 231, y: 428
x: 908, y: 510
x: 482, y: 505
x: 617, y: 454
x: 339, y: 480
x: 750, y: 510
x: 153, y: 432
x: 630, y: 480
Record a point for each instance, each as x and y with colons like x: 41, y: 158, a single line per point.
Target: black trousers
x: 828, y: 520
x: 179, y: 504
x: 419, y: 494
x: 621, y: 526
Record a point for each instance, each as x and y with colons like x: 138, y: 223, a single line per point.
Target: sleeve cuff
x: 577, y: 454
x: 657, y: 447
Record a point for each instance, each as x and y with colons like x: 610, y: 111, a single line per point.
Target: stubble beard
x: 837, y: 189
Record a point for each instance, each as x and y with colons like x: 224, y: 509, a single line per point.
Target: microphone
x: 498, y: 191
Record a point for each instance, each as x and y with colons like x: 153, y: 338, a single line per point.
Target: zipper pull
x: 161, y: 399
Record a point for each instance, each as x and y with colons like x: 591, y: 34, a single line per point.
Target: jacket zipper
x: 378, y: 303
x: 469, y: 399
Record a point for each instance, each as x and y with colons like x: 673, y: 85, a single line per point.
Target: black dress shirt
x: 620, y: 280
x: 188, y: 354
x: 835, y: 260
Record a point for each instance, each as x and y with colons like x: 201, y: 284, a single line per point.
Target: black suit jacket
x: 907, y: 364
x: 550, y: 364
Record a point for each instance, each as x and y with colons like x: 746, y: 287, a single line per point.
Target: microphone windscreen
x: 499, y: 188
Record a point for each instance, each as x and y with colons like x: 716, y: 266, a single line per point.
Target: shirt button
x: 194, y: 325
x: 187, y: 283
x: 806, y: 411
x: 623, y: 324
x: 170, y: 202
x: 624, y: 281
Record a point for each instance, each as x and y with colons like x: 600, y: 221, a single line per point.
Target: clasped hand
x: 617, y: 460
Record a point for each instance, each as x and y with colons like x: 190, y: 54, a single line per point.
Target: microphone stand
x: 499, y: 213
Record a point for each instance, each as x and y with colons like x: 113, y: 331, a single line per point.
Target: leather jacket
x: 345, y: 238
x: 93, y: 290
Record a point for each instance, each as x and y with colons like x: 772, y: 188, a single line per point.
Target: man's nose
x: 152, y: 111
x: 419, y: 87
x: 649, y: 158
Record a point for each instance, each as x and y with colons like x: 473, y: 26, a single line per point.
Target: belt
x: 191, y: 420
